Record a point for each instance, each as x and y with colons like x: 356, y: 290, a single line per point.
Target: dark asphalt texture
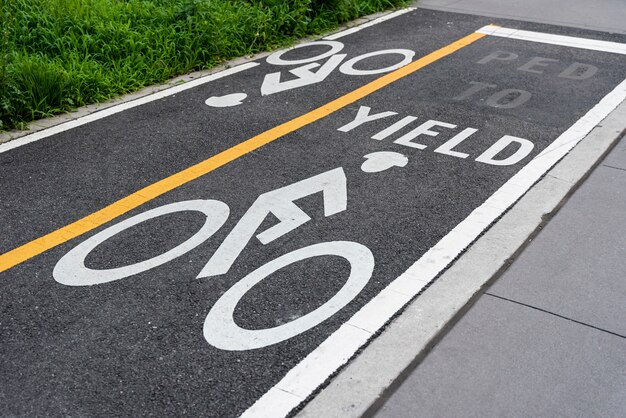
x: 134, y: 347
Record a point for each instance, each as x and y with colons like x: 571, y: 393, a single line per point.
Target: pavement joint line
x: 373, y: 375
x: 555, y: 314
x: 616, y: 168
x: 563, y: 180
x: 138, y: 198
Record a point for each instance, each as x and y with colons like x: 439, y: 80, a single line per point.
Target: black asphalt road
x: 135, y: 346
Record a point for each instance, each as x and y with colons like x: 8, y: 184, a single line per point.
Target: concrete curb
x: 364, y: 384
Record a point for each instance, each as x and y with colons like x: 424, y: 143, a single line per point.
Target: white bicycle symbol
x: 220, y: 329
x: 273, y: 84
x: 313, y: 72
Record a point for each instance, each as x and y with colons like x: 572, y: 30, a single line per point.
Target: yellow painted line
x: 122, y: 206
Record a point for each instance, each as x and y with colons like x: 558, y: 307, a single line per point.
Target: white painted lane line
x: 303, y: 379
x: 547, y: 38
x: 337, y: 349
x: 36, y: 136
x: 381, y: 19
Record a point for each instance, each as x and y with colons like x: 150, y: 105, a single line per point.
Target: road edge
x: 362, y: 387
x: 81, y: 112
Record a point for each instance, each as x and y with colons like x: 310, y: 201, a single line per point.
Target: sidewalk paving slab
x: 604, y: 15
x: 508, y: 360
x: 576, y: 266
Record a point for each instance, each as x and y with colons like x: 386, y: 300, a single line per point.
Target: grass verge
x: 56, y: 55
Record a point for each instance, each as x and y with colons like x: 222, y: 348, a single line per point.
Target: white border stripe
x: 546, y: 38
x: 44, y: 133
x: 337, y: 349
x: 350, y: 31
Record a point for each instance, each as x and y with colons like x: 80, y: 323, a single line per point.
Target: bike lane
x: 140, y: 344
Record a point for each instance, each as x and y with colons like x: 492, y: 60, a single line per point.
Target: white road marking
x: 221, y: 331
x: 36, y: 136
x: 70, y: 270
x: 340, y: 346
x: 381, y: 19
x: 377, y: 162
x: 281, y: 204
x: 547, y: 38
x: 348, y: 66
x: 272, y: 82
x: 228, y: 100
x: 277, y: 57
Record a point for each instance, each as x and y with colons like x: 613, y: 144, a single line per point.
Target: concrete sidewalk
x: 548, y: 338
x: 600, y: 15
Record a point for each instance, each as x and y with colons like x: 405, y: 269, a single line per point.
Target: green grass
x: 56, y: 55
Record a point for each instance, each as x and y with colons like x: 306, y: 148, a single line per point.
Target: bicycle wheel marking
x: 221, y: 331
